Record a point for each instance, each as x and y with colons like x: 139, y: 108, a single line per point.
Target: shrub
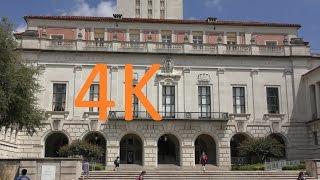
x: 81, y: 148
x: 251, y: 167
x: 294, y: 167
x: 97, y: 167
x: 260, y: 149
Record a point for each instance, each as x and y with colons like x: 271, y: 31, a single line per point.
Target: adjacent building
x: 221, y: 82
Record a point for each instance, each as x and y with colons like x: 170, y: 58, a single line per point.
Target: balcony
x: 163, y: 48
x: 143, y: 115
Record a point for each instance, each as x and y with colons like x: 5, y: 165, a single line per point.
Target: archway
x: 131, y: 147
x: 97, y: 139
x: 168, y: 150
x: 281, y: 140
x: 54, y: 142
x: 235, y: 143
x: 205, y: 143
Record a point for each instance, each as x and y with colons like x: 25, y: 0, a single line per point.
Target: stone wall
x: 66, y: 169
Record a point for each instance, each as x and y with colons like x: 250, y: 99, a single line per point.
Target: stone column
x: 224, y: 157
x: 113, y: 151
x: 150, y: 158
x: 187, y: 154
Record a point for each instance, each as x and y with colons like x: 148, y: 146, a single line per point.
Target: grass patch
x: 97, y: 167
x: 294, y: 168
x: 249, y: 167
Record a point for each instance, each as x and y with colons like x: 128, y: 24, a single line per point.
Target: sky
x: 304, y: 12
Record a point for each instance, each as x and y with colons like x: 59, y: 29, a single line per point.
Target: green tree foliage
x: 18, y: 86
x: 257, y: 150
x: 81, y: 148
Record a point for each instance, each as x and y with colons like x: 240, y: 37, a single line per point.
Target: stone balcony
x: 163, y: 48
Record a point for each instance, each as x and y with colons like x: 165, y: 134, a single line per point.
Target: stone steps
x: 198, y: 175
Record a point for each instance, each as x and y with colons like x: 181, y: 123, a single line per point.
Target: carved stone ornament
x: 168, y: 66
x: 204, y: 77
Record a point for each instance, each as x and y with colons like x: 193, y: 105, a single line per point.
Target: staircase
x: 196, y: 175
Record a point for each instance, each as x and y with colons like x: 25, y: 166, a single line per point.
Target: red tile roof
x: 164, y: 21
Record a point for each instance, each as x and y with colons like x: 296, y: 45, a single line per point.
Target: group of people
x: 86, y: 168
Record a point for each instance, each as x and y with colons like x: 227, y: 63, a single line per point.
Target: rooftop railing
x: 207, y: 116
x: 166, y: 48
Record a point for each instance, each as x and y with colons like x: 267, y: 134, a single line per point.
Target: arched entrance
x: 168, y: 150
x: 205, y: 143
x: 280, y: 139
x: 235, y: 143
x: 54, y: 142
x: 97, y: 139
x: 131, y: 147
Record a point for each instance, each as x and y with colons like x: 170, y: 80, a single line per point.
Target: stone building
x: 220, y: 83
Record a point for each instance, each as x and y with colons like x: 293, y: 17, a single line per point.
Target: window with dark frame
x: 59, y: 97
x: 135, y: 104
x: 94, y: 96
x: 315, y: 137
x: 273, y: 100
x: 168, y: 101
x: 204, y: 101
x: 239, y: 101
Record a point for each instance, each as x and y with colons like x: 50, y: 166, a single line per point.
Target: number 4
x: 103, y: 104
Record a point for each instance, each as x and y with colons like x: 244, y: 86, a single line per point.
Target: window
x: 273, y: 100
x: 271, y: 43
x: 315, y: 137
x: 94, y: 96
x: 313, y: 100
x: 135, y: 104
x: 161, y: 3
x: 138, y: 3
x: 162, y: 14
x: 239, y: 103
x: 168, y: 101
x: 137, y: 12
x: 197, y: 39
x: 149, y: 2
x: 166, y: 38
x: 99, y: 36
x: 204, y: 101
x: 57, y: 39
x: 59, y: 97
x: 231, y: 38
x: 149, y: 13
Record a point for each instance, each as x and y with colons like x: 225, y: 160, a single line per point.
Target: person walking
x: 85, y: 168
x: 116, y: 163
x: 23, y: 175
x: 301, y: 176
x: 203, y: 160
x: 141, y: 176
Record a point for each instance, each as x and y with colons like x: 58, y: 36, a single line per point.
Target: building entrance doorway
x: 168, y: 150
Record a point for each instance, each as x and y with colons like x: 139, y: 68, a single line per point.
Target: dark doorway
x: 168, y: 150
x: 97, y: 139
x: 131, y: 149
x: 235, y: 143
x: 54, y: 142
x: 205, y: 143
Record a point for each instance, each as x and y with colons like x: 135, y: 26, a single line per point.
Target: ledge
x: 57, y: 114
x: 274, y: 117
x: 240, y: 117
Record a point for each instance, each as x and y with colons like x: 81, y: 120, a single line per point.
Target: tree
x: 81, y: 148
x: 18, y: 86
x: 260, y: 149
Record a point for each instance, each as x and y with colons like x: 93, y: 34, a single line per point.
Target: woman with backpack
x: 203, y: 160
x: 116, y: 163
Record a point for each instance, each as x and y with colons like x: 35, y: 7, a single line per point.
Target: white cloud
x: 214, y: 4
x: 20, y: 28
x: 104, y: 8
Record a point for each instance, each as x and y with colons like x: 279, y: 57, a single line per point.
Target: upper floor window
x: 99, y: 36
x: 59, y: 97
x: 273, y: 100
x: 150, y: 13
x: 94, y: 96
x: 162, y: 14
x: 271, y: 43
x: 231, y: 38
x: 134, y: 35
x: 239, y: 103
x: 138, y: 3
x: 162, y: 3
x: 168, y: 101
x: 138, y: 12
x: 204, y: 100
x: 135, y: 105
x: 149, y: 2
x: 198, y: 38
x: 315, y: 138
x: 57, y: 39
x: 166, y: 37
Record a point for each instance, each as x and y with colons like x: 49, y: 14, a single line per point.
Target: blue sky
x: 305, y: 12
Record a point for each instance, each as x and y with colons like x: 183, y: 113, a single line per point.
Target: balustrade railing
x: 220, y: 116
x: 158, y: 47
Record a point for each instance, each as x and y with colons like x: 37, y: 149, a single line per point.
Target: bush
x: 81, y: 148
x: 294, y: 167
x: 260, y: 149
x: 251, y: 167
x: 97, y: 167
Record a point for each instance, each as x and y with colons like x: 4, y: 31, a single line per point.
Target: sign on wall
x: 48, y: 172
